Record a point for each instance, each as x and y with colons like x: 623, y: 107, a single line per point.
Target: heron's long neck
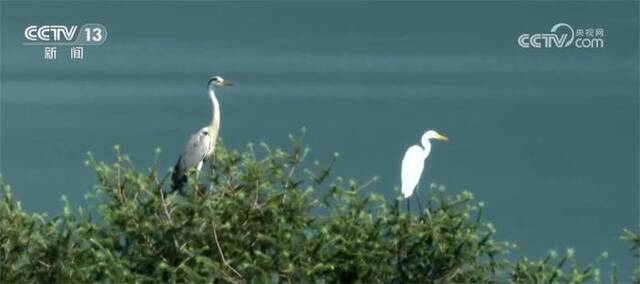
x: 215, y: 121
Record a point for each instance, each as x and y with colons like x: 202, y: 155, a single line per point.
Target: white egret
x: 202, y: 144
x: 413, y: 163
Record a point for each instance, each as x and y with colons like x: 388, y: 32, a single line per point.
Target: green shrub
x: 256, y: 216
x: 634, y: 239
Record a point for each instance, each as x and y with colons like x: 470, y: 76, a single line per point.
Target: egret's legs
x: 408, y: 205
x: 418, y: 197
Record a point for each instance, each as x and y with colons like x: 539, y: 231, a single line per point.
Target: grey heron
x: 413, y: 163
x: 201, y: 144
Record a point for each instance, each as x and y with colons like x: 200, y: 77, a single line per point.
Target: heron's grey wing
x: 196, y: 149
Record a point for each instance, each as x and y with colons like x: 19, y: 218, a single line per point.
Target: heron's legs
x: 197, y: 185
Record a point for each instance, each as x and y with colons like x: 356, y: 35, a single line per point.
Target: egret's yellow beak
x: 228, y: 83
x: 442, y: 138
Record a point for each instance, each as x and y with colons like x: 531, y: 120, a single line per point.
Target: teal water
x: 548, y: 139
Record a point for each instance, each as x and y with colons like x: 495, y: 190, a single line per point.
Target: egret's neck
x: 215, y: 121
x: 426, y: 145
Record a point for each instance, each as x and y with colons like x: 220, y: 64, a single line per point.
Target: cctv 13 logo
x: 88, y: 34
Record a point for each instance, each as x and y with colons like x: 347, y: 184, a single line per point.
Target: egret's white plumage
x: 202, y: 144
x: 413, y: 162
x: 412, y: 166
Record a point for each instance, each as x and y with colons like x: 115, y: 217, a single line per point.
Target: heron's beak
x: 442, y: 138
x: 228, y: 83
